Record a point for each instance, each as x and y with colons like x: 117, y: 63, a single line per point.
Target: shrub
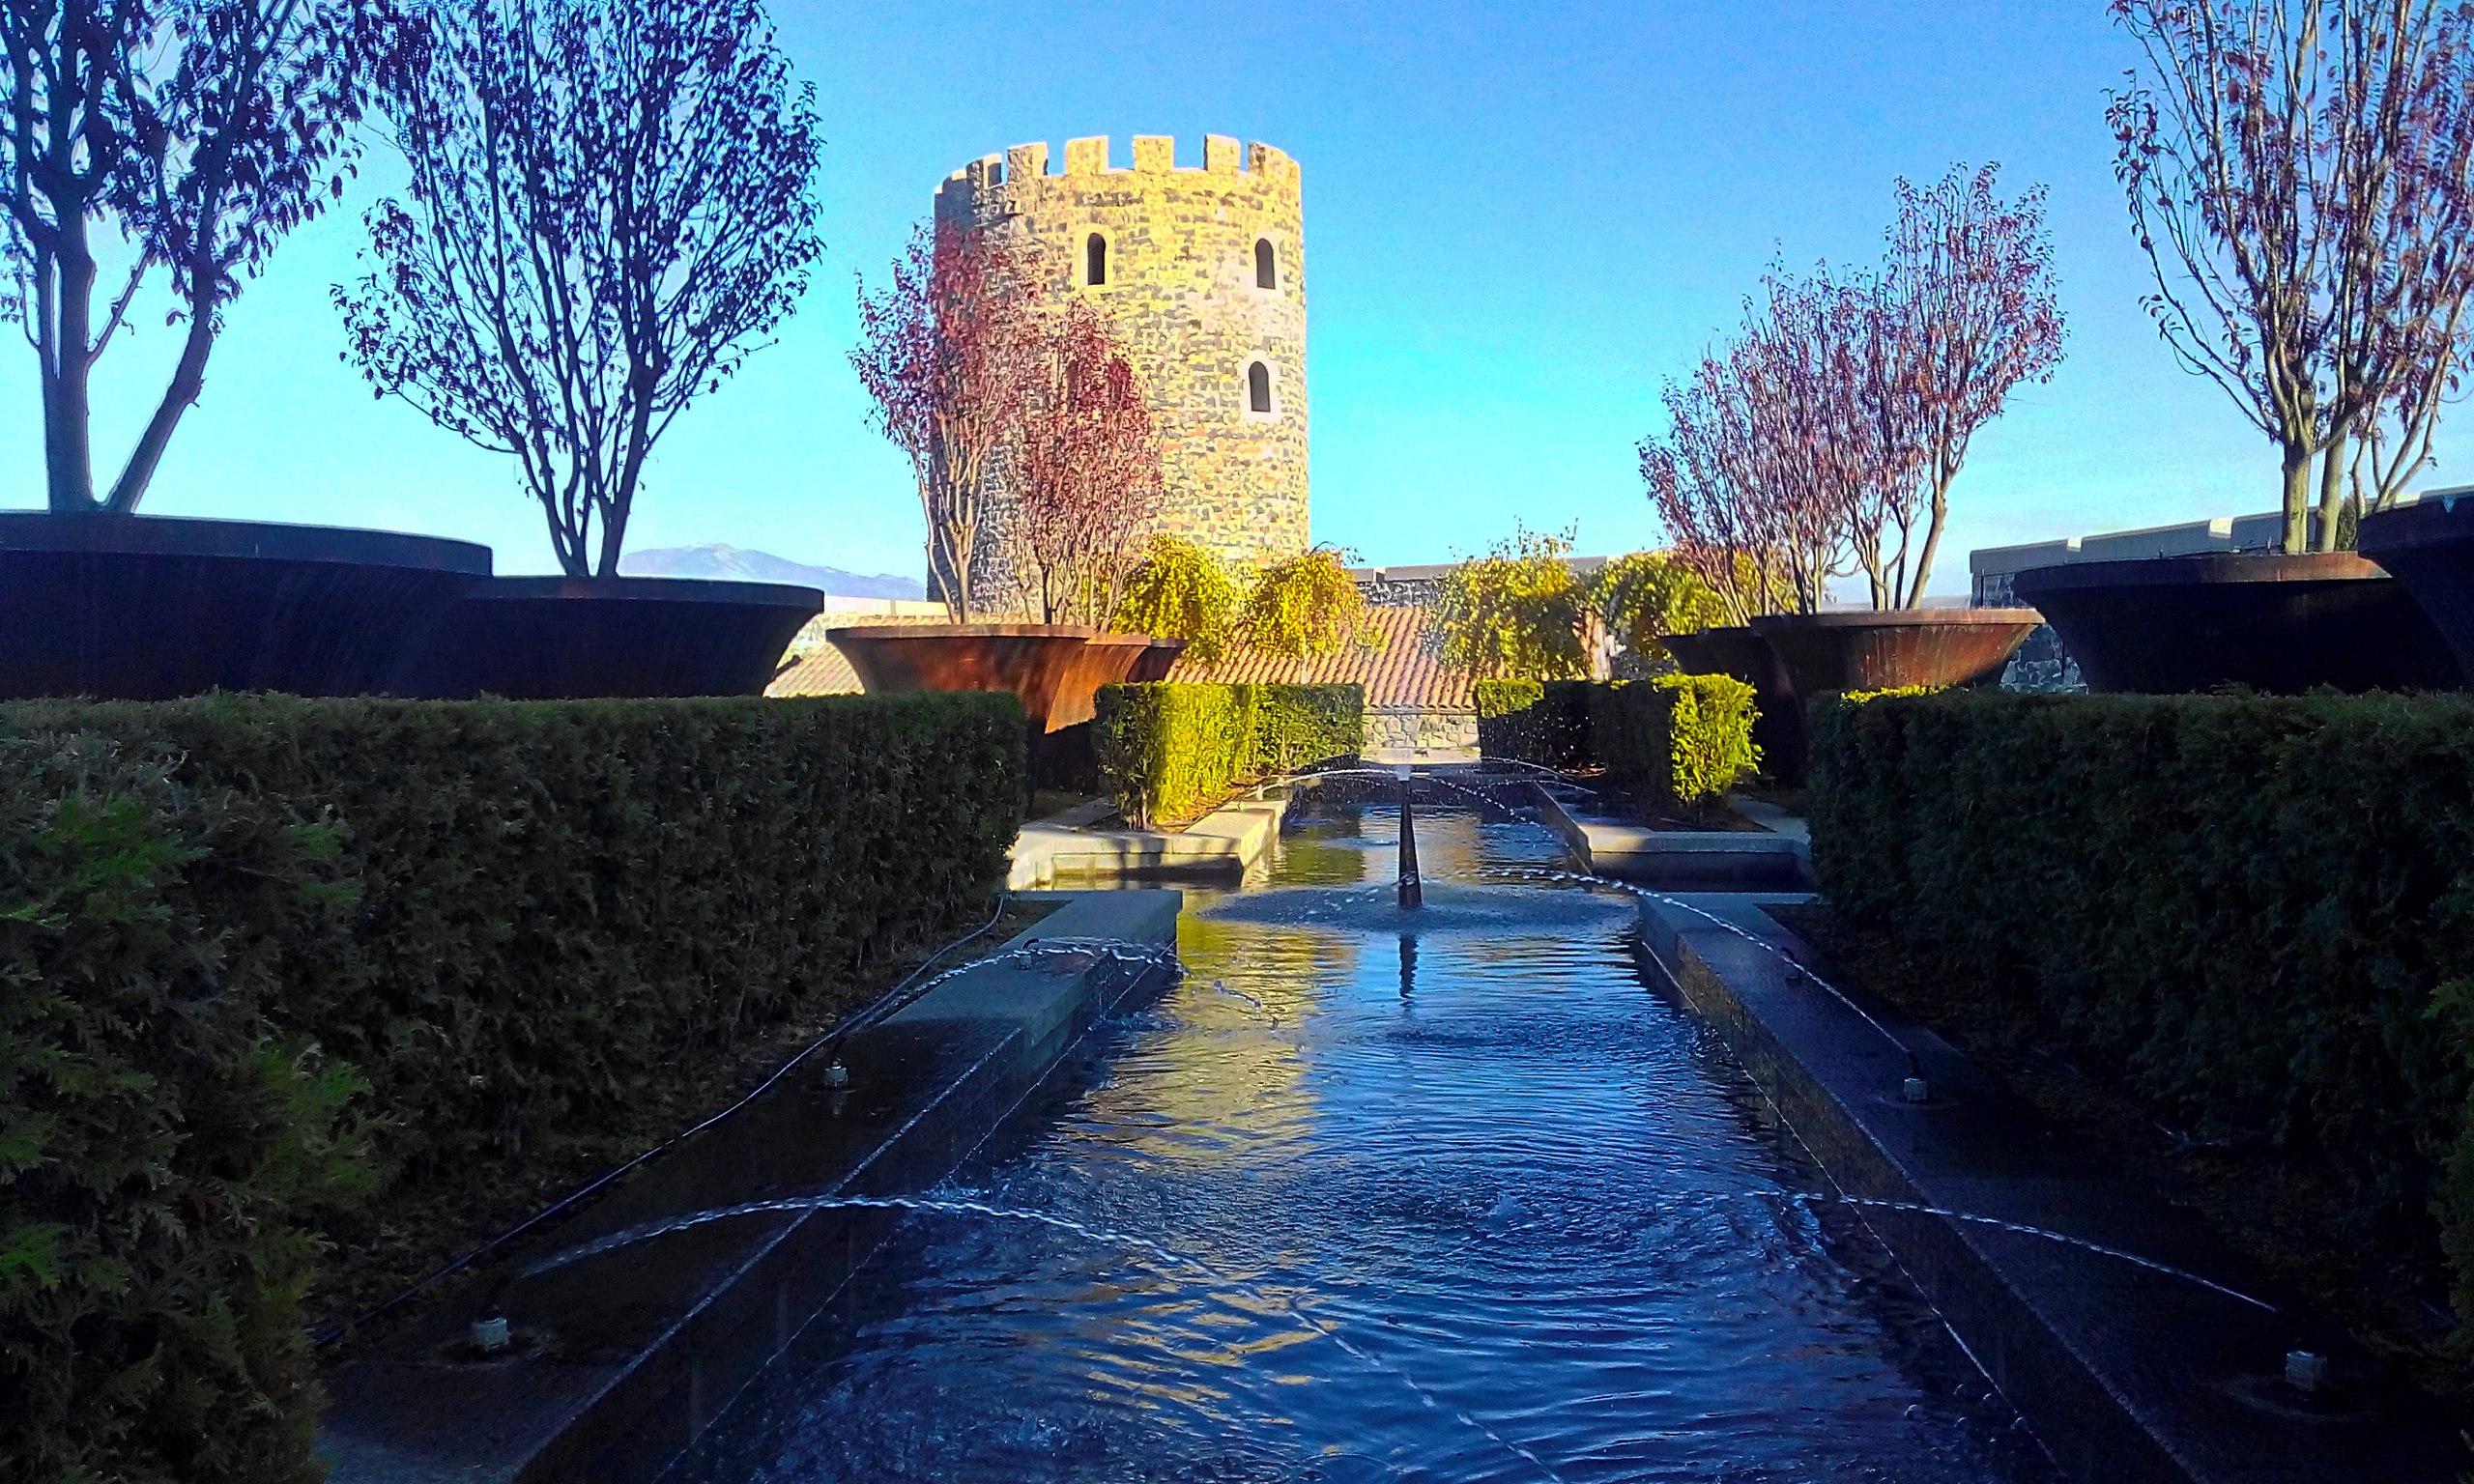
x: 222, y: 919
x: 1181, y: 591
x: 1643, y: 595
x: 1546, y: 723
x: 1305, y: 606
x: 1677, y: 739
x: 1515, y: 612
x: 1171, y: 752
x: 2258, y: 912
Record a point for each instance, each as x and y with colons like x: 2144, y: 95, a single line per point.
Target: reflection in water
x: 1495, y: 1211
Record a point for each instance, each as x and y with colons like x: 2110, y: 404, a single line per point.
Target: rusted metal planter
x: 575, y: 639
x: 1933, y: 647
x: 1778, y: 724
x: 2174, y: 626
x: 1055, y: 668
x: 151, y: 607
x: 2429, y: 548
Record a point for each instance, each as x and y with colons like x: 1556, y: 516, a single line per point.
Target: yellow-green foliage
x: 1515, y: 612
x: 1644, y: 594
x: 1181, y: 591
x: 1170, y: 753
x: 1305, y: 606
x: 1683, y: 738
x: 1679, y: 739
x: 2257, y: 911
x: 259, y: 954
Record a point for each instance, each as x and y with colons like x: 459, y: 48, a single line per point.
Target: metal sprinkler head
x: 836, y: 1076
x: 490, y: 1333
x: 2306, y: 1371
x: 1915, y: 1090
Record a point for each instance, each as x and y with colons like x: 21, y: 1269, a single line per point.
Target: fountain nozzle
x: 1412, y: 892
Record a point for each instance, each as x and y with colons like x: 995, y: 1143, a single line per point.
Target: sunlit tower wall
x: 1201, y: 273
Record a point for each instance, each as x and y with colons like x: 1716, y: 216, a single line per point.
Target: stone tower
x: 1201, y: 273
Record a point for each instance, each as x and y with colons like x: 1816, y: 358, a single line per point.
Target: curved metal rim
x: 1901, y: 618
x: 646, y: 589
x: 2206, y: 569
x: 163, y: 535
x: 2426, y: 523
x: 968, y: 631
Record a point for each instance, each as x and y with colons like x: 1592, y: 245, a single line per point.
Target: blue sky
x: 1520, y: 220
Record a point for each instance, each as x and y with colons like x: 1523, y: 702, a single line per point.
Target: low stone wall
x: 1410, y: 729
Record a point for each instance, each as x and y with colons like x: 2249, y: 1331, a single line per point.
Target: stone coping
x: 2127, y: 1373
x: 1776, y: 857
x: 1220, y: 845
x: 622, y: 1358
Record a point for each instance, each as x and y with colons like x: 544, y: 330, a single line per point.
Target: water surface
x: 1463, y: 1198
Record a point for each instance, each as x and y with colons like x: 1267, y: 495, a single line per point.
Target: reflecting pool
x: 1372, y: 1197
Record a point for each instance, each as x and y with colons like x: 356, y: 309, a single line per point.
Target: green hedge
x: 1544, y: 721
x: 1680, y: 739
x: 2260, y: 912
x: 260, y: 957
x: 1169, y: 752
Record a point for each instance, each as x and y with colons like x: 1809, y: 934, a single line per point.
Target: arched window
x: 1258, y: 387
x: 1266, y: 264
x: 1095, y: 259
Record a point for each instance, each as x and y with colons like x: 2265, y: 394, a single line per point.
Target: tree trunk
x: 68, y: 454
x: 2297, y: 498
x: 188, y: 380
x: 1932, y: 538
x: 2332, y: 491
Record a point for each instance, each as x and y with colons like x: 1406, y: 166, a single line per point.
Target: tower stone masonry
x: 1201, y: 275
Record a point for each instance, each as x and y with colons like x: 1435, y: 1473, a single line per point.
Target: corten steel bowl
x: 1056, y: 669
x: 1933, y: 647
x: 576, y: 639
x: 2429, y: 548
x: 1106, y: 660
x: 2174, y: 626
x: 149, y: 608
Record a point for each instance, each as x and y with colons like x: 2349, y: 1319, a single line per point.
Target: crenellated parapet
x: 1200, y: 268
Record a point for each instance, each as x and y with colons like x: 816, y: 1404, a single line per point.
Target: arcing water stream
x: 1443, y: 1195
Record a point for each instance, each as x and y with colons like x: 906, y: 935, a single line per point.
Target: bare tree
x: 609, y: 208
x: 949, y: 352
x: 2298, y: 172
x: 1083, y: 473
x: 189, y: 136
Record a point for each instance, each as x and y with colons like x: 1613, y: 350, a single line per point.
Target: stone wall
x: 1180, y: 290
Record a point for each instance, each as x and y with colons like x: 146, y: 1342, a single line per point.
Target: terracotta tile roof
x: 1399, y: 671
x: 1403, y: 671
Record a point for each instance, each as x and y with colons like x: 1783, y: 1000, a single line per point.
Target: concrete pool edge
x: 622, y: 1410
x: 2125, y: 1372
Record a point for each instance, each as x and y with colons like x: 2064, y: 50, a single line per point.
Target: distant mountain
x: 730, y: 561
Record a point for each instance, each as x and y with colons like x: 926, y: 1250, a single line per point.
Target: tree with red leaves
x: 1081, y: 474
x: 1962, y: 312
x: 950, y: 350
x: 608, y: 209
x: 184, y: 135
x: 1737, y: 483
x: 2301, y: 174
x: 1829, y: 437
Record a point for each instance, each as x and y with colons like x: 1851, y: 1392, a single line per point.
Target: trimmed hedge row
x: 1682, y: 739
x: 1544, y: 721
x: 2258, y: 912
x: 260, y: 955
x: 1169, y: 752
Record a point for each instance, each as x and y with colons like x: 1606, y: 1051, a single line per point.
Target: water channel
x: 1472, y: 1200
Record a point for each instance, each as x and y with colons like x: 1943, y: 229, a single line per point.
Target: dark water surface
x: 1474, y: 1204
